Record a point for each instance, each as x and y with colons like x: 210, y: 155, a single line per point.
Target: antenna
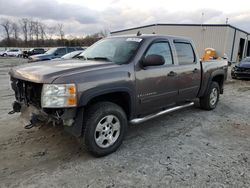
x: 202, y: 18
x: 202, y: 22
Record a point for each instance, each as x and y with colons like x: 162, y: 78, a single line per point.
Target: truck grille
x: 27, y: 92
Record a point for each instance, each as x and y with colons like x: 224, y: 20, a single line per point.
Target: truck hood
x: 244, y: 65
x: 48, y: 71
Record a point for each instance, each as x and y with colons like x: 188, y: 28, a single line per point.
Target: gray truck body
x: 139, y: 90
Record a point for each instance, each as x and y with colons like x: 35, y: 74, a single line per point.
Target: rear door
x: 156, y: 88
x: 188, y: 70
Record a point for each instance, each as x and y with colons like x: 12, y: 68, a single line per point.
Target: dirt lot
x: 190, y: 147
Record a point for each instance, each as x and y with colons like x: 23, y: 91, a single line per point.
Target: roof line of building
x: 205, y: 25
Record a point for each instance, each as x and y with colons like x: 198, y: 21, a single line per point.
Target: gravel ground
x: 188, y: 148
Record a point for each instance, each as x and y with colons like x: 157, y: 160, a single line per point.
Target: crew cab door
x: 156, y: 87
x: 188, y: 70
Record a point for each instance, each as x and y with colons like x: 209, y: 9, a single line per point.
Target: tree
x: 103, y: 33
x: 51, y: 30
x: 15, y: 30
x: 31, y: 29
x: 60, y: 30
x: 42, y: 28
x: 27, y: 32
x: 6, y: 24
x: 36, y: 30
x: 24, y: 27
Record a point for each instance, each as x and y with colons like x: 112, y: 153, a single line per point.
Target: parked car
x: 53, y: 53
x: 120, y: 80
x: 242, y: 70
x: 71, y: 55
x: 13, y: 52
x: 33, y: 51
x: 2, y: 52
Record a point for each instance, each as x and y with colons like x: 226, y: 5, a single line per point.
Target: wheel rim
x: 107, y: 131
x: 213, y: 96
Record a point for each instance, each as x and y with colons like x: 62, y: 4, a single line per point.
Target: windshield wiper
x: 99, y: 58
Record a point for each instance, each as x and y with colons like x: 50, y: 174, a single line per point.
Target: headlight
x: 58, y: 95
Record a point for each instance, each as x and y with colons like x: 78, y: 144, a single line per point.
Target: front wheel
x: 210, y: 99
x: 105, y: 128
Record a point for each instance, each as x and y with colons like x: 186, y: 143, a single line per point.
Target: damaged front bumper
x: 70, y: 118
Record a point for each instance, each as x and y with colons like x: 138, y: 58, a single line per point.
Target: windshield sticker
x: 134, y: 39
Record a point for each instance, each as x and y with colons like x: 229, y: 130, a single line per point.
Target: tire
x: 210, y: 99
x: 4, y: 55
x: 105, y: 127
x: 233, y: 76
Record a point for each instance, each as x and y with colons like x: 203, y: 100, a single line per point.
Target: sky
x: 82, y: 17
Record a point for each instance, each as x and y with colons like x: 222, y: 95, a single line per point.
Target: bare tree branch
x: 60, y: 30
x: 6, y: 24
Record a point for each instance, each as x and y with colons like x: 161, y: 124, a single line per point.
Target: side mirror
x: 153, y: 60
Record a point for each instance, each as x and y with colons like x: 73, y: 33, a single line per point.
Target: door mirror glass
x: 153, y: 60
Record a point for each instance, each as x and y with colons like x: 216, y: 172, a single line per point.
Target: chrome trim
x: 151, y: 116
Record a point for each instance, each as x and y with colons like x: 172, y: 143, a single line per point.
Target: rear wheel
x: 105, y: 127
x: 210, y: 99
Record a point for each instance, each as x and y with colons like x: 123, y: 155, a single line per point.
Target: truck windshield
x: 117, y: 50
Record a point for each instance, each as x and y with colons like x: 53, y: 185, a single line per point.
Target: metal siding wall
x: 229, y: 41
x: 203, y: 37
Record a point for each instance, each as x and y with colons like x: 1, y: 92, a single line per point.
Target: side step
x: 151, y: 116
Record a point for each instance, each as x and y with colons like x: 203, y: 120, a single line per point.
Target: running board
x: 140, y: 120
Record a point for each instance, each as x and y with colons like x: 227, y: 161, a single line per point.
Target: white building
x: 223, y: 38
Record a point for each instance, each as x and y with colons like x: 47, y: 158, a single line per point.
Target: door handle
x: 172, y: 73
x: 195, y: 70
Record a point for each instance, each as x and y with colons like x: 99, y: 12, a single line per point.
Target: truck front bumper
x: 70, y: 118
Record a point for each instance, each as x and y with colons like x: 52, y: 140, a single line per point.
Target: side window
x: 71, y: 50
x: 61, y: 51
x: 163, y: 49
x: 185, y: 53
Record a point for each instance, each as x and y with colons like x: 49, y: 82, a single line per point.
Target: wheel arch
x: 119, y: 96
x: 219, y: 78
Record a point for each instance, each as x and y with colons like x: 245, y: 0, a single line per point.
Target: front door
x: 156, y: 85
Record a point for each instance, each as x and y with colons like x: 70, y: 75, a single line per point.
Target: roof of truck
x: 146, y: 36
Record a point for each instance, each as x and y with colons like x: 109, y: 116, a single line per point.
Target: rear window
x: 185, y: 53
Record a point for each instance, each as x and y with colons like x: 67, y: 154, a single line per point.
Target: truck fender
x: 87, y: 96
x: 214, y: 74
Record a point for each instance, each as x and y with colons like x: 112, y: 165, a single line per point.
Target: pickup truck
x: 119, y: 81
